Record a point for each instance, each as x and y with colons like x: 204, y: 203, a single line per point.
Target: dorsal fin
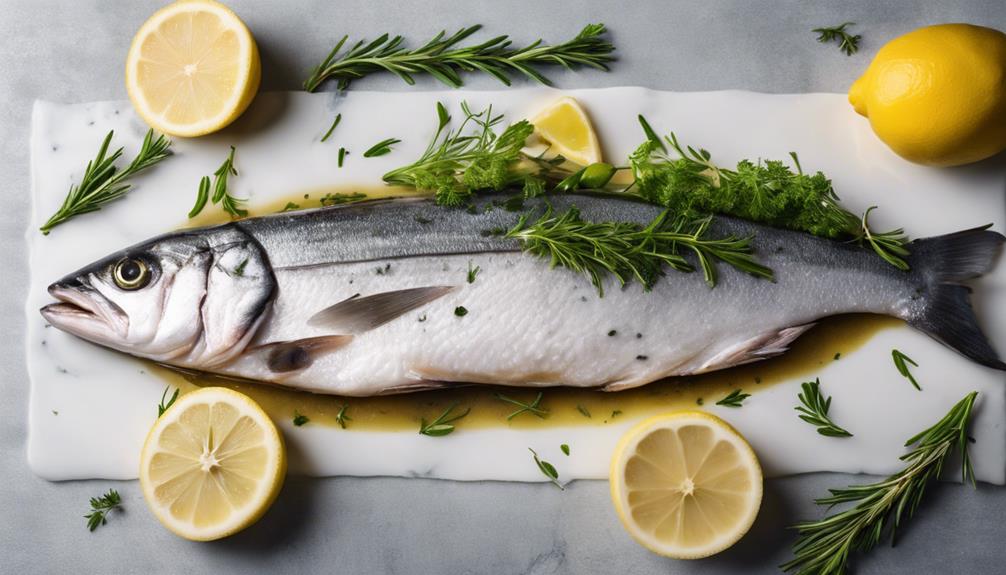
x: 357, y: 314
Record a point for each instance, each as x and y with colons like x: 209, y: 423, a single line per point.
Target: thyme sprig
x: 102, y: 182
x: 443, y: 424
x: 824, y: 547
x: 847, y: 43
x: 101, y: 507
x: 444, y: 59
x: 815, y: 410
x: 628, y: 251
x: 534, y: 407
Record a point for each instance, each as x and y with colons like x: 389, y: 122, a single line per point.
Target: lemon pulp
x: 564, y: 125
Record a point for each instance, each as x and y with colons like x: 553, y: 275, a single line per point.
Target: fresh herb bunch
x: 824, y: 547
x: 769, y: 192
x: 101, y: 507
x: 443, y: 59
x: 630, y: 251
x: 815, y: 410
x: 458, y: 163
x: 847, y: 43
x: 103, y: 182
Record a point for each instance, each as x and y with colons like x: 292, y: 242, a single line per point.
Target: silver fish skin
x: 374, y: 298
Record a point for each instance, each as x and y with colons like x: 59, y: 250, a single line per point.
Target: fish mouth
x: 83, y: 311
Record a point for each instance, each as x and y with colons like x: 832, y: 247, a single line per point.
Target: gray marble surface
x: 74, y: 51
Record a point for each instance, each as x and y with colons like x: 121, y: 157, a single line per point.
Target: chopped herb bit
x: 336, y: 199
x: 338, y: 118
x: 381, y: 148
x: 639, y: 336
x: 299, y: 419
x: 616, y: 413
x: 101, y: 507
x: 342, y: 417
x: 583, y: 410
x: 699, y: 401
x: 900, y: 361
x: 612, y: 333
x: 735, y: 399
x: 533, y: 407
x: 240, y: 269
x: 642, y: 357
x: 838, y: 355
x: 342, y: 156
x: 473, y: 272
x: 386, y: 270
x: 461, y: 311
x: 291, y: 206
x: 547, y: 469
x: 564, y: 448
x: 443, y: 424
x: 815, y: 410
x: 422, y: 318
x: 162, y: 407
x: 846, y: 42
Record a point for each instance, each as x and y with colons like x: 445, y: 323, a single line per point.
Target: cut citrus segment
x: 685, y: 485
x: 212, y: 464
x: 193, y: 68
x: 565, y: 126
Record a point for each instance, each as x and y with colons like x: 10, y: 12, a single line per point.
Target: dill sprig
x: 443, y: 424
x: 547, y: 469
x: 824, y: 547
x: 769, y: 192
x: 162, y: 407
x: 534, y: 407
x: 474, y: 157
x: 103, y: 182
x: 101, y: 507
x: 847, y: 43
x: 443, y: 59
x: 734, y: 399
x: 901, y: 362
x: 229, y: 203
x: 628, y: 250
x: 815, y: 410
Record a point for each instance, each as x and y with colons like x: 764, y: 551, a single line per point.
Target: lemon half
x: 685, y: 485
x: 193, y: 68
x: 212, y: 464
x: 564, y: 125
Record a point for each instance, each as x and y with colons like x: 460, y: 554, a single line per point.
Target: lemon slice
x: 565, y: 126
x: 685, y: 485
x: 193, y: 68
x: 212, y: 464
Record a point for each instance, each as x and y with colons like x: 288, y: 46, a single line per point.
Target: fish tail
x: 941, y: 264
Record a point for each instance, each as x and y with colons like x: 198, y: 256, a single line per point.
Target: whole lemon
x: 937, y: 96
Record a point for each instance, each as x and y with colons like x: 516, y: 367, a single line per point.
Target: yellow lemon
x: 193, y: 68
x: 564, y: 125
x: 685, y: 485
x: 212, y: 464
x: 937, y: 96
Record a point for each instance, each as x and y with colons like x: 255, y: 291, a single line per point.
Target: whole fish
x: 399, y: 295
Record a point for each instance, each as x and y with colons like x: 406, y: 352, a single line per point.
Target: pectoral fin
x: 295, y: 355
x: 359, y: 314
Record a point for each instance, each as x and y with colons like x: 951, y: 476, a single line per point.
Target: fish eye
x: 131, y: 274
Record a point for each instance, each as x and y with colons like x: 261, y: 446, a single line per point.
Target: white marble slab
x: 280, y: 153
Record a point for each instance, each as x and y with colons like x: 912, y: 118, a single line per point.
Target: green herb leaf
x: 201, y: 197
x: 846, y: 42
x: 461, y: 311
x: 342, y: 417
x: 473, y: 272
x: 735, y: 399
x: 381, y: 148
x: 338, y: 118
x: 162, y: 407
x: 533, y: 407
x: 547, y: 469
x: 102, y: 183
x: 101, y: 507
x: 564, y: 448
x: 300, y: 419
x: 335, y: 199
x: 583, y: 410
x: 900, y: 361
x: 815, y: 410
x: 342, y: 155
x: 824, y: 547
x: 443, y: 424
x: 444, y: 59
x: 291, y: 206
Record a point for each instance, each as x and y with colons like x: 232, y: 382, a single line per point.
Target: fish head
x: 192, y: 299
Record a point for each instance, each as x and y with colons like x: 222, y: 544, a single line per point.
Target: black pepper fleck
x: 612, y: 333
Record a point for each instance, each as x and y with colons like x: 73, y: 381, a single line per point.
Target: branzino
x: 375, y: 298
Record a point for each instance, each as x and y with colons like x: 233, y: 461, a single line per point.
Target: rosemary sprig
x: 846, y: 42
x: 101, y: 507
x: 900, y: 362
x: 443, y: 59
x: 443, y: 424
x: 734, y: 399
x: 381, y: 148
x: 628, y: 250
x: 823, y: 547
x: 889, y: 245
x: 342, y: 417
x: 815, y: 410
x: 547, y: 469
x: 162, y: 407
x: 532, y: 407
x: 102, y: 182
x: 335, y: 122
x: 220, y: 195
